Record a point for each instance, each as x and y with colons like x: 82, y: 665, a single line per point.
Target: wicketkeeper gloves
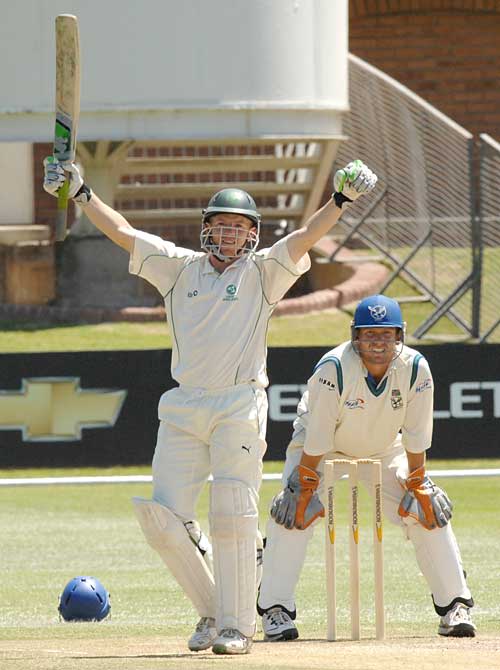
x: 350, y: 182
x: 298, y: 505
x: 424, y: 501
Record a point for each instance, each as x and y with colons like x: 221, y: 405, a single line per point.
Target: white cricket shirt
x: 343, y: 410
x: 218, y: 322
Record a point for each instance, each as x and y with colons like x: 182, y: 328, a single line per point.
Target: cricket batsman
x: 369, y: 398
x: 218, y: 303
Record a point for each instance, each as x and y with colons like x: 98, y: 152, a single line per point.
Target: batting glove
x: 56, y: 173
x: 298, y: 505
x: 353, y: 180
x: 424, y: 501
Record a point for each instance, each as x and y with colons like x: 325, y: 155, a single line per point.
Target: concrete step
x: 11, y: 235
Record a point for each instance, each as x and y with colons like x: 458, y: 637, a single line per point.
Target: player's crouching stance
x: 218, y: 305
x: 371, y: 397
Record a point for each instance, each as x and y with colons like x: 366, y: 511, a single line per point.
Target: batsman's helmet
x: 230, y: 201
x: 84, y: 599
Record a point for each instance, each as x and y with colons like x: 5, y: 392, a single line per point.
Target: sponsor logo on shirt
x: 355, y: 403
x: 231, y: 291
x: 192, y: 294
x: 396, y: 399
x: 326, y: 382
x: 426, y: 384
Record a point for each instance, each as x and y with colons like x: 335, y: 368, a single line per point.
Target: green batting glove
x: 353, y: 180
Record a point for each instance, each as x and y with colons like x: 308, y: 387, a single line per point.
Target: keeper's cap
x: 378, y: 311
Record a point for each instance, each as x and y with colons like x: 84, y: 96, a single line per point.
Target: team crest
x: 377, y: 312
x: 396, y: 399
x: 231, y: 291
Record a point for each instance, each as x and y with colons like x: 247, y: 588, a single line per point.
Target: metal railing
x: 423, y: 222
x: 489, y: 248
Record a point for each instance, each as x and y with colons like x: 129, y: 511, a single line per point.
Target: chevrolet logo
x: 48, y: 409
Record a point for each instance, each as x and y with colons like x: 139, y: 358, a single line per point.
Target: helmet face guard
x: 84, y: 599
x: 245, y: 241
x: 230, y: 201
x: 378, y: 311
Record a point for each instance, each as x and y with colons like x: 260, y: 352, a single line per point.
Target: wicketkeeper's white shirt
x: 343, y: 411
x: 218, y: 322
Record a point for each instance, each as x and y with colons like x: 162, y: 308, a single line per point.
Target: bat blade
x: 67, y: 105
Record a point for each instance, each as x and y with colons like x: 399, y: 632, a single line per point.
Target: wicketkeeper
x: 369, y: 398
x: 218, y: 305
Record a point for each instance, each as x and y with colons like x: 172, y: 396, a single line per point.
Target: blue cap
x: 378, y: 311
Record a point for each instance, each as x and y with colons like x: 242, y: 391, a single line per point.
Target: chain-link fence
x: 421, y: 218
x: 489, y: 250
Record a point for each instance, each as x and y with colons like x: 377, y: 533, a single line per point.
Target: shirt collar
x: 208, y: 269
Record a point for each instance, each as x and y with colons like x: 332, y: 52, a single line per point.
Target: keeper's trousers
x: 437, y: 552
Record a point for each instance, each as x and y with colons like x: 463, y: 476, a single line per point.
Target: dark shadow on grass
x: 207, y: 656
x: 32, y: 326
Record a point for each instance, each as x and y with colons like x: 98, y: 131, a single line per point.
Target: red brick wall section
x: 446, y: 51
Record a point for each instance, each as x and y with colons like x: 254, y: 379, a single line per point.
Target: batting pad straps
x: 180, y: 552
x: 234, y: 527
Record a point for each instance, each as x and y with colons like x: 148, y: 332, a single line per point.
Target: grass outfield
x: 322, y: 329
x: 51, y: 534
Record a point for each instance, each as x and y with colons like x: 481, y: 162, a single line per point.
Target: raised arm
x: 349, y: 183
x: 105, y: 218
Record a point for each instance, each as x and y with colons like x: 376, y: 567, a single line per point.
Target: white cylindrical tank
x: 16, y: 183
x: 181, y: 68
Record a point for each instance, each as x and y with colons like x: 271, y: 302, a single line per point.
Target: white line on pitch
x: 146, y: 479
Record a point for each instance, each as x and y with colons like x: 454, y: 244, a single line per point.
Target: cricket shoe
x: 457, y: 622
x: 231, y: 641
x: 204, y: 635
x: 278, y: 625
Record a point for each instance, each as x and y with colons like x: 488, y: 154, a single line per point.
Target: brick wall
x: 447, y: 51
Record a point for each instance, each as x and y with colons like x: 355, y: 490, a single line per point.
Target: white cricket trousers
x: 219, y: 432
x: 437, y: 552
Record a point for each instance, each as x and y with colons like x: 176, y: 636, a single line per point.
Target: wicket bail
x: 351, y: 467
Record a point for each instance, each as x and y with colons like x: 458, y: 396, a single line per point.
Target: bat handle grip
x: 62, y: 212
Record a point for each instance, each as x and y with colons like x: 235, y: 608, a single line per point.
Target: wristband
x: 340, y: 198
x: 83, y: 195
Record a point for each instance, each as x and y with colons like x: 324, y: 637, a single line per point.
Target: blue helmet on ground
x: 84, y: 599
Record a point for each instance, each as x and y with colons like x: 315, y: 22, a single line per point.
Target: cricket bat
x: 67, y: 105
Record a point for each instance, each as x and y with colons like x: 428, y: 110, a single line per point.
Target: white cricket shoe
x: 278, y: 625
x: 231, y: 641
x: 457, y: 622
x: 204, y: 635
